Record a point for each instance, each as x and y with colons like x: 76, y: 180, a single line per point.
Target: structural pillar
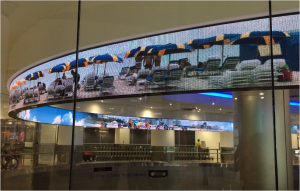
x: 160, y: 141
x: 254, y: 128
x: 122, y: 136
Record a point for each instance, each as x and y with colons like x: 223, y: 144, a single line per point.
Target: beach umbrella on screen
x: 131, y: 53
x: 14, y: 86
x: 82, y: 62
x: 60, y: 68
x: 204, y: 43
x: 169, y: 49
x: 259, y: 38
x: 143, y: 51
x: 35, y: 76
x: 19, y: 82
x: 104, y: 58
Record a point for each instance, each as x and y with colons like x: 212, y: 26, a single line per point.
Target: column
x: 122, y: 136
x: 160, y: 140
x: 253, y: 123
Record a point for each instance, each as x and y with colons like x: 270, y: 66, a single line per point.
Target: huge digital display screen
x: 295, y: 129
x: 65, y: 117
x: 226, y: 56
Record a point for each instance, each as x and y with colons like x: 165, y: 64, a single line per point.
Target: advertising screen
x: 295, y: 129
x: 226, y: 56
x: 65, y: 117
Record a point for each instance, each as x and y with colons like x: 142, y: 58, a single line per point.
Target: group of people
x: 148, y: 61
x: 132, y: 125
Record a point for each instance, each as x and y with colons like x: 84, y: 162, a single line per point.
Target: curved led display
x: 65, y: 117
x: 227, y: 56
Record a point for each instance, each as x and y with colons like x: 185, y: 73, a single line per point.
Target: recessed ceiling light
x: 262, y: 97
x: 170, y: 103
x: 235, y: 98
x: 151, y: 107
x: 213, y: 103
x: 101, y: 100
x: 220, y: 109
x: 261, y: 93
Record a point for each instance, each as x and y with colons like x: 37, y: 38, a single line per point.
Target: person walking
x: 198, y: 149
x: 198, y: 144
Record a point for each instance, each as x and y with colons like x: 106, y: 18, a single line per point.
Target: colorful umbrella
x: 104, y: 59
x: 259, y: 37
x: 82, y: 62
x: 60, y: 68
x: 169, y: 49
x: 144, y: 50
x: 35, y: 75
x: 15, y: 86
x: 204, y: 43
x: 19, y: 82
x: 131, y: 53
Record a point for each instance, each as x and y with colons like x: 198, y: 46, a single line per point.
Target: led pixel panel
x: 65, y: 117
x: 226, y: 56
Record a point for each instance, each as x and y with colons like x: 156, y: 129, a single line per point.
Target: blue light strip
x: 229, y: 95
x: 294, y: 103
x: 225, y: 95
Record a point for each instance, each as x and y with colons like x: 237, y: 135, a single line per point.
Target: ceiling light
x: 170, y: 103
x: 140, y: 98
x: 151, y: 107
x: 220, y: 109
x: 198, y: 111
x: 10, y: 123
x: 235, y: 98
x: 101, y: 100
x: 213, y: 103
x: 196, y: 108
x: 261, y: 93
x: 262, y: 97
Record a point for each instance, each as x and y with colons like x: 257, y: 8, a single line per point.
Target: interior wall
x: 163, y: 138
x: 212, y: 139
x: 295, y: 141
x: 226, y: 139
x: 64, y: 135
x: 122, y: 136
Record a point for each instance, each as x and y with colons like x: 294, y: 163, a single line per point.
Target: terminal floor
x: 128, y: 176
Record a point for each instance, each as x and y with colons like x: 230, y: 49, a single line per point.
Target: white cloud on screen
x: 67, y: 118
x: 57, y: 120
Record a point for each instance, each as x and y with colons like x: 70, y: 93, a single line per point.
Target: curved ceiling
x: 33, y: 31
